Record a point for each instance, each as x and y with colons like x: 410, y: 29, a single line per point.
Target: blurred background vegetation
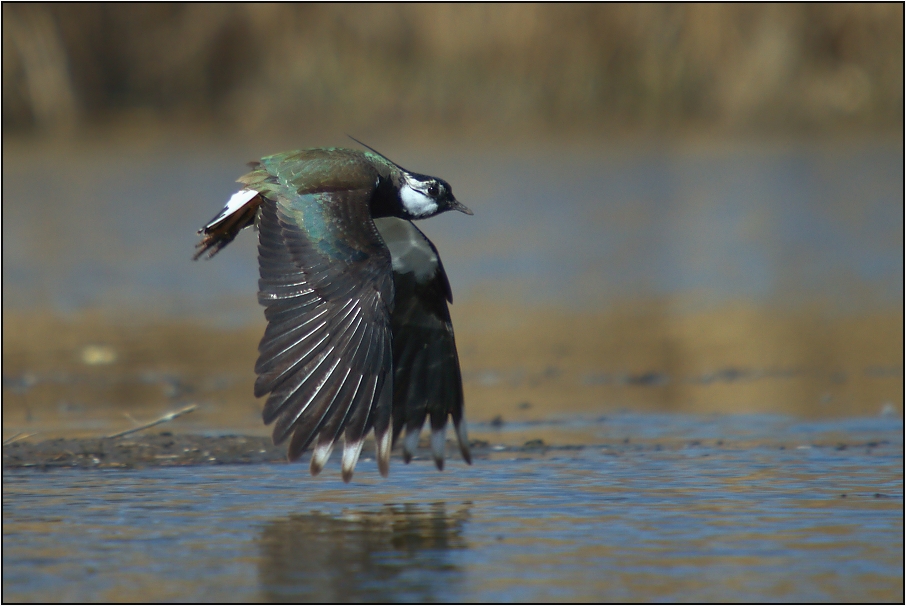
x: 440, y: 69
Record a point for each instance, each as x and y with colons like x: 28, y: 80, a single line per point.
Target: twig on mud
x: 17, y: 437
x: 167, y: 417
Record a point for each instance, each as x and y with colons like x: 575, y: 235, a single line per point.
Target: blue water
x: 577, y: 227
x: 751, y: 510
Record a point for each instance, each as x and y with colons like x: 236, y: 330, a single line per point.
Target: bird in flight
x: 358, y: 334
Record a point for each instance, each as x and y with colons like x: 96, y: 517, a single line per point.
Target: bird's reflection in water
x: 398, y: 553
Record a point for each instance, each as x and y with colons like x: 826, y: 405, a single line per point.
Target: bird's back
x: 316, y: 170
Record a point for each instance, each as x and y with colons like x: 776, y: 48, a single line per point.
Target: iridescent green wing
x: 326, y: 284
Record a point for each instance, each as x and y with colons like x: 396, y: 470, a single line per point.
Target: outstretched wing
x: 326, y: 356
x: 427, y: 378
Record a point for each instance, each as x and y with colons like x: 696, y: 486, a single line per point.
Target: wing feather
x: 426, y: 374
x: 278, y: 349
x: 295, y: 384
x: 327, y: 347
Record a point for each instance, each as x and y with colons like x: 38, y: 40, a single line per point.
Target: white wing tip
x: 382, y: 444
x: 462, y: 436
x: 320, y: 456
x: 410, y: 444
x: 439, y: 446
x: 351, y: 452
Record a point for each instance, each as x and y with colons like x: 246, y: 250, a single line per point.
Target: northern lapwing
x: 359, y: 335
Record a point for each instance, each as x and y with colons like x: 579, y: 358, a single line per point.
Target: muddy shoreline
x: 166, y: 449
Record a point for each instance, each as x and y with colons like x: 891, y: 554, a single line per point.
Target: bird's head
x: 422, y: 196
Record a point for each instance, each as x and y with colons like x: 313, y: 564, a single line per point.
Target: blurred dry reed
x: 510, y: 68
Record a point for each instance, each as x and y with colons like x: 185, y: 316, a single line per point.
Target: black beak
x: 457, y: 205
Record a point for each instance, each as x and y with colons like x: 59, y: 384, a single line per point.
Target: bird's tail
x: 238, y: 214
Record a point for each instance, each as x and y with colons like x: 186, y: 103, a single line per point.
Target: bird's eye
x: 433, y: 190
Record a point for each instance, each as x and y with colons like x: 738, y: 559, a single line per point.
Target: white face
x: 415, y: 198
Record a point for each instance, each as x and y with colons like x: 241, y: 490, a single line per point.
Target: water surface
x: 680, y: 281
x: 573, y: 226
x: 662, y: 507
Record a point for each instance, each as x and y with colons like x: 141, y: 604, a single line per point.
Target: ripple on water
x: 745, y: 520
